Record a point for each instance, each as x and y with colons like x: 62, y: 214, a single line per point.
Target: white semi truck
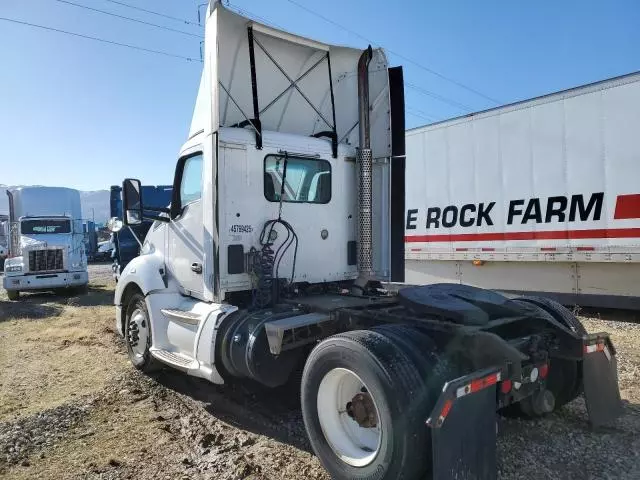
x: 539, y: 196
x: 46, y: 247
x: 287, y: 214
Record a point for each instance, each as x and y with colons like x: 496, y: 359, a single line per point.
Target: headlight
x: 14, y: 268
x: 77, y: 265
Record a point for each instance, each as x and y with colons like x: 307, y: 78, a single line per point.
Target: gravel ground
x: 114, y: 423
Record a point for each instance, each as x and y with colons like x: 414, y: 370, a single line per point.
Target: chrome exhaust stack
x: 364, y: 159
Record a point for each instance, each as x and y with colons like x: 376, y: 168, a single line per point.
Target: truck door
x: 185, y: 252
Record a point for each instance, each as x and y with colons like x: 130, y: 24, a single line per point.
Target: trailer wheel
x: 363, y: 404
x: 565, y: 376
x: 13, y: 294
x: 137, y: 329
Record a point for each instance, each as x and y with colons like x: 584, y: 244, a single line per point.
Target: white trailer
x: 46, y: 247
x: 540, y: 196
x: 287, y: 214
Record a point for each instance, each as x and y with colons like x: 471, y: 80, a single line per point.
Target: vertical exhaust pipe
x: 364, y: 167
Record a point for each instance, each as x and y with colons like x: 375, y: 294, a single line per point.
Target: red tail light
x: 543, y: 371
x: 505, y: 386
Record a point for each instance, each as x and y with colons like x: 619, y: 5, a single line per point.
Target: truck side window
x: 307, y: 180
x: 191, y: 184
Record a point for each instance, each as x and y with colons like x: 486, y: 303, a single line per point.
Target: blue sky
x: 78, y: 113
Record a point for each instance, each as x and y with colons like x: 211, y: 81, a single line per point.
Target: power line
x: 420, y: 114
x: 406, y: 59
x: 249, y: 14
x: 129, y: 18
x: 431, y: 94
x: 154, y: 13
x: 111, y: 42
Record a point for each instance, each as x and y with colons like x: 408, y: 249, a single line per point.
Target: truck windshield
x: 34, y: 227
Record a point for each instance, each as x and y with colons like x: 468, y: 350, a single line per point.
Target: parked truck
x: 286, y: 221
x: 46, y: 247
x: 539, y: 196
x: 4, y: 239
x: 90, y: 240
x: 125, y: 243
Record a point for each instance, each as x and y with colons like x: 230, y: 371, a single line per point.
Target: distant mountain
x: 95, y: 204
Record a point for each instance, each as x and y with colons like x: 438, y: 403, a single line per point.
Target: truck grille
x: 45, y: 260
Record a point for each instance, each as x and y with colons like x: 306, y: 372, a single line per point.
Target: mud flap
x: 463, y: 428
x: 600, y: 377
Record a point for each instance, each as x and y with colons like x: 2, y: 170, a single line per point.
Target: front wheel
x: 13, y: 294
x: 137, y: 336
x: 364, y: 408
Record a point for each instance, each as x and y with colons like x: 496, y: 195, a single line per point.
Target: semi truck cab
x: 46, y: 241
x: 273, y: 260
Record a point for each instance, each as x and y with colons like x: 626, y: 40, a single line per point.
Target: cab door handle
x: 196, y: 267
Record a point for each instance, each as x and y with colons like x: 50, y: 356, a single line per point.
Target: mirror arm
x: 134, y: 235
x: 157, y: 209
x: 155, y: 217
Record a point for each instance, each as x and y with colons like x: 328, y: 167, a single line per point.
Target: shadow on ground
x: 274, y: 413
x: 39, y: 305
x: 28, y: 309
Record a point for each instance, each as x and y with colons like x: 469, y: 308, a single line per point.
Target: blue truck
x: 125, y: 245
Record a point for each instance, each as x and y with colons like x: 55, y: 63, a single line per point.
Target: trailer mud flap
x: 463, y: 428
x: 600, y: 377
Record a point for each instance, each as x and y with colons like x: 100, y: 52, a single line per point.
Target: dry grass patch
x: 46, y: 361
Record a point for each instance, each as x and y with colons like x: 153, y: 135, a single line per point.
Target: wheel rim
x: 349, y: 417
x: 138, y: 332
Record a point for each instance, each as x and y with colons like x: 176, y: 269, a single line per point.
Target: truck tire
x: 13, y: 294
x: 364, y: 405
x: 137, y: 335
x: 559, y: 312
x: 565, y: 376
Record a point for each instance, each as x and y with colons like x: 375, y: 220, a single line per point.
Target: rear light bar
x: 473, y: 386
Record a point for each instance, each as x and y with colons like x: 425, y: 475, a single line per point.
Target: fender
x: 145, y: 271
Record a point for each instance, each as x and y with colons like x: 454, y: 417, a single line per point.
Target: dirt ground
x: 72, y: 407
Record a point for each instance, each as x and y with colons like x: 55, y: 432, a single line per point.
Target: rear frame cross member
x: 255, y: 122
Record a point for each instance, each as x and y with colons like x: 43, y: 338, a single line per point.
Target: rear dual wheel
x: 565, y: 376
x: 365, y: 399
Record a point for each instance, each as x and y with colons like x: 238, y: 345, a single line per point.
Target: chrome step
x: 182, y: 316
x: 175, y: 359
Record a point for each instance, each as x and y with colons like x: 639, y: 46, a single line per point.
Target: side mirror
x: 114, y: 224
x: 132, y: 201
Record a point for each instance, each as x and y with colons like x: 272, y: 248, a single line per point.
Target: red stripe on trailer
x: 548, y: 249
x: 585, y: 249
x: 627, y: 206
x: 539, y: 235
x: 462, y: 249
x: 416, y: 249
x: 488, y: 249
